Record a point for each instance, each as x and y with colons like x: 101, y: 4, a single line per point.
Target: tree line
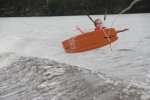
x: 68, y: 7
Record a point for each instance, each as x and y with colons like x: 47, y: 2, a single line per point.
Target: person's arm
x: 118, y: 31
x: 78, y: 28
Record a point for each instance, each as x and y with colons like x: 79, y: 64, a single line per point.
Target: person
x: 99, y: 26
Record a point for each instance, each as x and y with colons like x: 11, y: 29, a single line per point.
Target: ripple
x: 125, y: 50
x: 32, y: 78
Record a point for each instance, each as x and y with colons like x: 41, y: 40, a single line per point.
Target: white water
x: 42, y: 37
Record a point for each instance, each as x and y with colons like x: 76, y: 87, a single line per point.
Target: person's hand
x: 78, y: 28
x: 125, y: 29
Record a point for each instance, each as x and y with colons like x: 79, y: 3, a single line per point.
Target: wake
x: 33, y: 78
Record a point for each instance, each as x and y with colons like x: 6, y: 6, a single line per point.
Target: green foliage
x: 67, y: 7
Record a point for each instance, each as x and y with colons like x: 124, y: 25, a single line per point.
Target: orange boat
x: 90, y: 40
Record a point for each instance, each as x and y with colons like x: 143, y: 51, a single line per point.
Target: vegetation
x: 68, y: 7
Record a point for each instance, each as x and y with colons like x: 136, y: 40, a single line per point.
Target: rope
x: 108, y: 39
x: 107, y: 35
x: 123, y: 11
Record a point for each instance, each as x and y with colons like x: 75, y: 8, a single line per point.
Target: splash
x: 123, y: 11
